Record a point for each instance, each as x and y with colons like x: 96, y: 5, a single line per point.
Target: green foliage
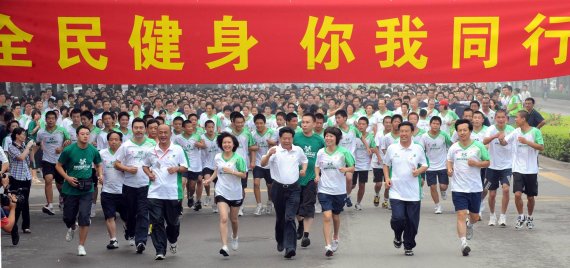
x: 556, y: 134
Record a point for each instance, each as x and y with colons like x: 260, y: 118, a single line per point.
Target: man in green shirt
x: 74, y: 165
x: 311, y: 143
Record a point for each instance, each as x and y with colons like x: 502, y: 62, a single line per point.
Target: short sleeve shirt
x: 401, y: 162
x: 332, y: 181
x: 78, y: 163
x: 466, y: 179
x: 229, y: 185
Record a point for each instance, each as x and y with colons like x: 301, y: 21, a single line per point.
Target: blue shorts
x: 334, y: 203
x: 466, y: 201
x: 435, y: 176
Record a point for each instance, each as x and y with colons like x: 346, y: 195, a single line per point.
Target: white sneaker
x: 70, y: 234
x: 482, y: 208
x: 444, y: 195
x: 207, y: 201
x: 493, y: 220
x: 269, y: 208
x: 334, y: 245
x: 215, y: 208
x: 503, y: 220
x: 93, y: 207
x: 132, y: 242
x: 258, y: 210
x: 469, y: 231
x: 81, y: 251
x: 235, y: 243
x: 358, y: 206
x: 318, y: 208
x: 240, y: 213
x: 438, y: 209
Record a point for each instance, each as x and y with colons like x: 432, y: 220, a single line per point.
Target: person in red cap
x: 448, y: 117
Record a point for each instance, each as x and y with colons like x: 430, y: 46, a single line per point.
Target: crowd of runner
x: 146, y: 153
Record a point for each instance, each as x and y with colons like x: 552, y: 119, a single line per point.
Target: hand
x: 58, y: 150
x: 501, y: 136
x: 172, y: 170
x: 302, y: 173
x: 343, y: 169
x: 101, y: 179
x: 228, y: 170
x: 317, y: 179
x: 151, y: 176
x: 206, y: 182
x: 13, y: 201
x: 72, y: 181
x: 450, y: 172
x: 388, y: 183
x: 523, y: 140
x: 272, y: 151
x: 472, y: 163
x: 369, y: 152
x: 67, y: 142
x: 251, y: 166
x: 132, y: 170
x: 415, y: 172
x: 30, y: 144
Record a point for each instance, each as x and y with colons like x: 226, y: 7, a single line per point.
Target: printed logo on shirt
x: 309, y: 152
x: 82, y: 165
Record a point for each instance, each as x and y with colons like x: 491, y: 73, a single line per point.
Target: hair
x: 227, y: 108
x: 397, y: 116
x: 386, y: 118
x: 192, y: 115
x: 186, y: 122
x: 341, y: 113
x: 524, y: 114
x: 286, y: 130
x: 224, y: 135
x: 79, y: 128
x: 75, y: 111
x: 282, y: 114
x: 435, y: 118
x: 311, y: 115
x: 467, y: 110
x: 364, y: 119
x: 209, y: 122
x: 121, y: 114
x: 530, y: 99
x: 502, y: 111
x: 114, y: 132
x: 15, y: 132
x: 415, y: 114
x: 406, y: 124
x: 138, y: 120
x: 319, y: 116
x: 290, y: 117
x: 475, y: 102
x: 236, y: 115
x: 87, y: 114
x: 108, y: 113
x: 153, y: 121
x: 334, y: 131
x: 259, y: 117
x: 480, y: 113
x: 423, y: 113
x: 463, y: 121
x: 47, y: 114
x: 178, y: 118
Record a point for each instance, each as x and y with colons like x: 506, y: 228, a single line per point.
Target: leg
x: 279, y: 205
x: 434, y: 193
x: 111, y: 227
x: 327, y: 218
x: 291, y: 206
x: 412, y: 223
x: 361, y: 190
x: 234, y: 219
x: 377, y: 187
x: 257, y: 190
x: 461, y: 223
x: 26, y: 206
x: 48, y: 188
x: 83, y: 218
x: 519, y: 202
x: 506, y: 197
x: 336, y: 225
x: 130, y: 197
x: 142, y: 219
x: 492, y: 197
x: 398, y: 220
x: 191, y: 188
x: 70, y: 210
x: 349, y: 183
x: 199, y: 188
x: 530, y: 205
x: 171, y: 209
x: 224, y: 211
x: 156, y: 215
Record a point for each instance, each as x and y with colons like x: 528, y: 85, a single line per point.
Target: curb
x: 553, y: 162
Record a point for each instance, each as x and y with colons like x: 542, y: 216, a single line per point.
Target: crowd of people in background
x: 145, y: 153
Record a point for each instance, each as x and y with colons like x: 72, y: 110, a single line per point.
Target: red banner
x: 223, y: 41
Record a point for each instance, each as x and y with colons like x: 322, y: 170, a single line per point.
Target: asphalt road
x: 365, y: 239
x: 553, y: 106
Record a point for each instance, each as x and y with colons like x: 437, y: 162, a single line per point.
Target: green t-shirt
x: 77, y: 163
x: 310, y: 145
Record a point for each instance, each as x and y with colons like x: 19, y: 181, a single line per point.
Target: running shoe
x: 376, y: 201
x: 348, y: 202
x: 131, y: 241
x: 397, y: 243
x: 334, y: 245
x: 15, y: 235
x: 469, y: 231
x: 503, y: 220
x: 48, y: 210
x: 60, y: 203
x: 113, y: 244
x: 140, y: 248
x: 318, y: 208
x: 173, y: 248
x: 207, y: 201
x: 235, y: 243
x: 159, y: 257
x: 529, y: 223
x: 290, y: 253
x: 190, y: 202
x: 215, y: 208
x: 224, y: 251
x: 358, y: 206
x: 443, y: 195
x: 197, y: 206
x: 81, y: 251
x: 269, y: 208
x: 305, y: 242
x: 240, y: 213
x: 70, y: 234
x: 409, y: 252
x: 465, y: 249
x: 93, y: 207
x: 258, y: 210
x: 328, y: 251
x: 437, y: 209
x: 493, y: 220
x: 300, y: 230
x: 520, y: 222
x: 385, y: 204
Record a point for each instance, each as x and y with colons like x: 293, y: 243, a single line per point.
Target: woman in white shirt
x: 229, y: 168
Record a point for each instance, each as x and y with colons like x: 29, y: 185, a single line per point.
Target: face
x: 163, y: 133
x: 259, y: 125
x: 468, y: 115
x: 478, y: 120
x: 86, y: 121
x: 124, y: 121
x: 21, y: 137
x: 286, y: 140
x: 362, y: 125
x: 239, y: 123
x: 387, y: 124
x: 319, y: 123
x: 227, y: 144
x: 413, y: 119
x: 340, y: 120
x: 210, y: 129
x: 280, y: 120
x: 435, y: 125
x: 501, y: 119
x: 519, y: 120
x: 405, y: 133
x: 474, y: 107
x: 139, y: 130
x: 50, y: 120
x: 369, y: 110
x: 307, y: 124
x: 463, y: 132
x: 528, y: 105
x: 382, y: 105
x: 293, y: 123
x: 114, y: 141
x: 108, y: 121
x: 396, y: 123
x: 83, y: 135
x: 177, y: 125
x: 152, y: 130
x: 330, y: 139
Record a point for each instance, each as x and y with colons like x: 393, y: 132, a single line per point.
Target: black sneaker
x: 190, y: 202
x: 289, y: 253
x: 348, y: 202
x: 140, y: 248
x: 113, y: 244
x: 15, y: 235
x: 409, y: 252
x: 280, y: 247
x: 224, y: 251
x: 305, y: 242
x: 48, y: 210
x: 300, y: 230
x: 397, y: 243
x: 198, y: 206
x: 465, y: 250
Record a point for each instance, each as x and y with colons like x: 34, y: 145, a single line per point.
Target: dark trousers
x: 406, y: 220
x: 77, y: 208
x: 23, y: 208
x: 161, y: 210
x: 286, y: 201
x: 137, y: 212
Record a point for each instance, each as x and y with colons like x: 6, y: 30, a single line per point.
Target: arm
x: 266, y: 157
x: 387, y: 176
x: 213, y: 177
x: 449, y: 168
x: 241, y: 175
x: 149, y: 173
x: 317, y: 174
x: 118, y: 165
x: 534, y: 145
x: 541, y: 124
x: 489, y: 139
x: 479, y: 164
x: 99, y: 170
x: 71, y: 180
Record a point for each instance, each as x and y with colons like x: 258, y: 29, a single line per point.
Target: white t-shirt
x: 349, y: 138
x: 525, y: 158
x: 194, y: 153
x: 466, y: 179
x: 132, y: 154
x: 113, y: 178
x: 332, y: 181
x: 476, y: 136
x: 261, y: 142
x: 284, y: 164
x: 378, y: 119
x: 436, y: 150
x: 166, y: 186
x: 361, y: 156
x: 209, y: 152
x: 379, y: 140
x: 402, y: 161
x: 501, y: 156
x: 229, y: 186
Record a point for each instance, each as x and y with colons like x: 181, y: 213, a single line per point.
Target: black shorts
x: 207, y: 171
x: 525, y: 183
x: 360, y: 177
x: 378, y: 174
x: 77, y: 208
x: 113, y: 204
x: 49, y: 169
x: 231, y: 203
x: 192, y: 176
x: 244, y: 181
x: 262, y: 173
x: 496, y: 178
x: 308, y: 200
x: 435, y: 176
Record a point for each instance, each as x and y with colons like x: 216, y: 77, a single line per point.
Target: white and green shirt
x: 501, y: 156
x: 361, y: 156
x: 245, y: 141
x: 401, y: 162
x: 466, y: 179
x: 205, y: 117
x: 210, y: 151
x: 436, y: 149
x: 261, y: 142
x: 228, y: 185
x: 349, y: 138
x: 379, y: 118
x: 525, y: 158
x: 332, y: 181
x: 188, y: 144
x: 51, y: 140
x: 133, y: 154
x: 166, y: 186
x: 112, y: 178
